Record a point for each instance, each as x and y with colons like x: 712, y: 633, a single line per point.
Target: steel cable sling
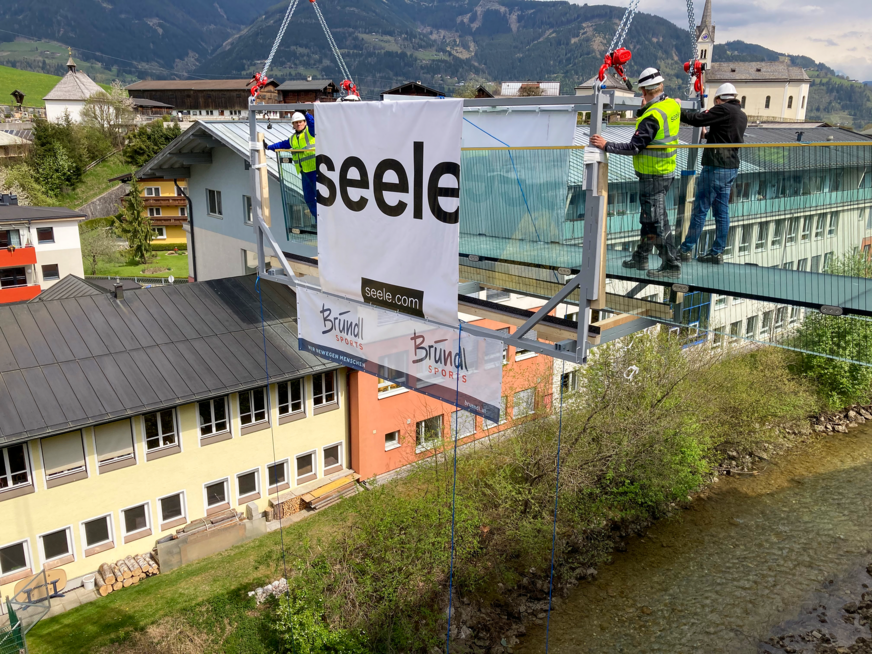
x: 342, y: 67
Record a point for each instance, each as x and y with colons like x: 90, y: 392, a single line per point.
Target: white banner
x: 447, y: 364
x: 389, y: 196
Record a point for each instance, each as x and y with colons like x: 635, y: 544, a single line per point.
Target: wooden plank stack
x: 125, y: 572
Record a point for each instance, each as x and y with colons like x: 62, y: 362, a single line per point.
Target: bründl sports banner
x: 389, y: 204
x: 404, y: 350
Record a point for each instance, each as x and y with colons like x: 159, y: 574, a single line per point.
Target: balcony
x: 19, y: 293
x: 24, y: 256
x: 167, y: 201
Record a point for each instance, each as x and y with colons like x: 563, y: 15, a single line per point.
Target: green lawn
x: 178, y: 267
x: 94, y: 182
x: 35, y: 86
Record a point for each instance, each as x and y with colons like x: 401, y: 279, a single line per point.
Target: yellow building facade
x: 167, y: 210
x: 107, y: 491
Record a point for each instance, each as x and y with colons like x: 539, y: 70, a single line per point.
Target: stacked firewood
x: 125, y: 572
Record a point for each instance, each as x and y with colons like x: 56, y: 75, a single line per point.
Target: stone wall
x: 107, y: 204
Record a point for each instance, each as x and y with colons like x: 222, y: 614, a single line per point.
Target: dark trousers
x: 310, y: 193
x: 655, y: 220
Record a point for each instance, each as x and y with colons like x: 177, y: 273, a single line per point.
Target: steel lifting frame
x: 590, y: 280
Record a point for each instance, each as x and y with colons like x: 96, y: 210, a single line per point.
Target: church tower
x: 705, y: 36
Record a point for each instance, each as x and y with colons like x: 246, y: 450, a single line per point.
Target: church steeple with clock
x: 705, y: 35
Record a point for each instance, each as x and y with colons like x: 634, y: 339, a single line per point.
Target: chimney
x: 119, y: 291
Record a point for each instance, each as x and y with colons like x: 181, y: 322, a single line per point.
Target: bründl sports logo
x: 346, y: 327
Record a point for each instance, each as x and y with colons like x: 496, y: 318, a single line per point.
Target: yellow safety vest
x: 667, y: 113
x: 305, y: 163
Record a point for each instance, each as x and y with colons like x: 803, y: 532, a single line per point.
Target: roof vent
x: 119, y: 291
x: 7, y: 200
x: 759, y: 70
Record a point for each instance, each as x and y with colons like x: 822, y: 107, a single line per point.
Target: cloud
x: 828, y: 42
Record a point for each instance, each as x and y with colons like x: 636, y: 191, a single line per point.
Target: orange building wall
x: 372, y: 417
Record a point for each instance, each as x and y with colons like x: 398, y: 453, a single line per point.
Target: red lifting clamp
x: 349, y: 87
x: 696, y: 68
x: 617, y: 60
x: 259, y: 82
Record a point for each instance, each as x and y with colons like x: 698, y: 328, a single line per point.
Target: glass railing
x: 798, y: 243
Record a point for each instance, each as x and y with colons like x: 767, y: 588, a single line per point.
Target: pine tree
x: 135, y: 225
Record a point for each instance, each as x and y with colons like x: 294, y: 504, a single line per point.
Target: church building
x: 69, y: 95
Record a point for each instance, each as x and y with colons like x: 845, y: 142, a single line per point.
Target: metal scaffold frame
x: 590, y: 281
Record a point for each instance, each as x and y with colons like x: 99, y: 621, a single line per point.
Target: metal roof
x: 195, y: 85
x: 69, y: 286
x: 755, y: 71
x: 412, y: 85
x: 514, y: 88
x: 306, y: 85
x: 7, y: 138
x: 17, y: 213
x: 142, y: 102
x: 68, y: 363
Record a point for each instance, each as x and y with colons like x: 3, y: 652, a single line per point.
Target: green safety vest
x: 667, y: 113
x: 305, y: 163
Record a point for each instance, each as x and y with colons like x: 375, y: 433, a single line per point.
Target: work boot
x: 711, y: 257
x: 685, y: 255
x: 635, y: 263
x: 671, y: 270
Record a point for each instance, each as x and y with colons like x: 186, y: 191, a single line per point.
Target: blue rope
x: 556, y: 495
x: 517, y: 176
x: 275, y: 461
x: 454, y: 492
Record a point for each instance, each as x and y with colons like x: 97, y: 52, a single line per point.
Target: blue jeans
x: 310, y: 193
x: 712, y: 192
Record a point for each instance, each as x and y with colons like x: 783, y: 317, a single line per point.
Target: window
x: 246, y: 210
x: 390, y: 374
x: 819, y: 226
x: 569, y: 381
x: 521, y: 354
x: 324, y: 388
x: 790, y: 102
x: 333, y: 458
x: 744, y: 101
x: 217, y: 494
x: 738, y: 300
x: 291, y: 397
x: 160, y: 233
x: 135, y: 520
x: 768, y: 101
x: 11, y: 277
x: 745, y: 242
x: 734, y: 329
x: 14, y: 558
x: 717, y: 337
x: 213, y: 203
x: 766, y: 325
x: 792, y: 224
x: 152, y: 191
x: 805, y: 235
x: 97, y: 532
x: 524, y: 403
x: 50, y: 272
x: 787, y: 265
x: 816, y: 263
x: 751, y: 327
x: 428, y: 433
x: 833, y: 229
x: 490, y: 425
x: 114, y: 446
x: 183, y: 211
x: 496, y: 295
x: 56, y: 545
x: 762, y: 235
x: 277, y: 475
x: 802, y: 104
x: 794, y: 315
x: 462, y: 424
x: 306, y: 468
x: 731, y: 238
x: 63, y: 458
x: 181, y: 191
x: 828, y: 259
x: 154, y: 212
x: 45, y: 235
x: 172, y: 509
x: 10, y: 237
x: 160, y: 430
x: 14, y: 471
x: 802, y: 265
x: 213, y: 417
x: 778, y: 234
x: 247, y: 486
x: 392, y: 440
x: 252, y: 406
x: 780, y: 315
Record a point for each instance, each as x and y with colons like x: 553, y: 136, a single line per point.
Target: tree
x: 98, y: 243
x: 146, y: 142
x: 111, y: 113
x: 135, y: 224
x: 530, y: 91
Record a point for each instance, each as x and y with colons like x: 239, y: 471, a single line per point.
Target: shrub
x: 169, y: 247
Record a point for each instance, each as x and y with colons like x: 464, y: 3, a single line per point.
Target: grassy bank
x: 94, y: 183
x: 167, y: 263
x: 370, y: 574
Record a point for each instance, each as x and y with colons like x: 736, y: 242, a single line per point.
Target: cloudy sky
x: 837, y: 32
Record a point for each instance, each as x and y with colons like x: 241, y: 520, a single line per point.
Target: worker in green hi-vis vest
x: 657, y: 124
x: 303, y: 142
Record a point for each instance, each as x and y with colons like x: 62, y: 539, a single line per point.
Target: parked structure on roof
x: 520, y: 89
x: 69, y: 95
x: 308, y: 90
x: 415, y: 89
x: 38, y: 247
x: 204, y: 99
x: 482, y: 92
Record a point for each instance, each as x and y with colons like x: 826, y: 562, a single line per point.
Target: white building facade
x: 68, y: 97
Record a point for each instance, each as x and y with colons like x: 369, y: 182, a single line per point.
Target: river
x: 755, y: 558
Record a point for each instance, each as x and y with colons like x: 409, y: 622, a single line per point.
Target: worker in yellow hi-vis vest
x: 657, y: 124
x: 303, y: 141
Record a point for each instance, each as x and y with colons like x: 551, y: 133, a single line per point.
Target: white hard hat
x: 350, y: 98
x: 650, y: 78
x: 297, y: 117
x: 725, y: 90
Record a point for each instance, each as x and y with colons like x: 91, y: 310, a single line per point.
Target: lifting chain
x: 284, y: 26
x: 691, y: 22
x: 624, y: 27
x: 342, y: 67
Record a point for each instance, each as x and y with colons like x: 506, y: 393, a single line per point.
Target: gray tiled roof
x: 89, y: 360
x: 75, y: 85
x: 760, y: 71
x: 15, y: 212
